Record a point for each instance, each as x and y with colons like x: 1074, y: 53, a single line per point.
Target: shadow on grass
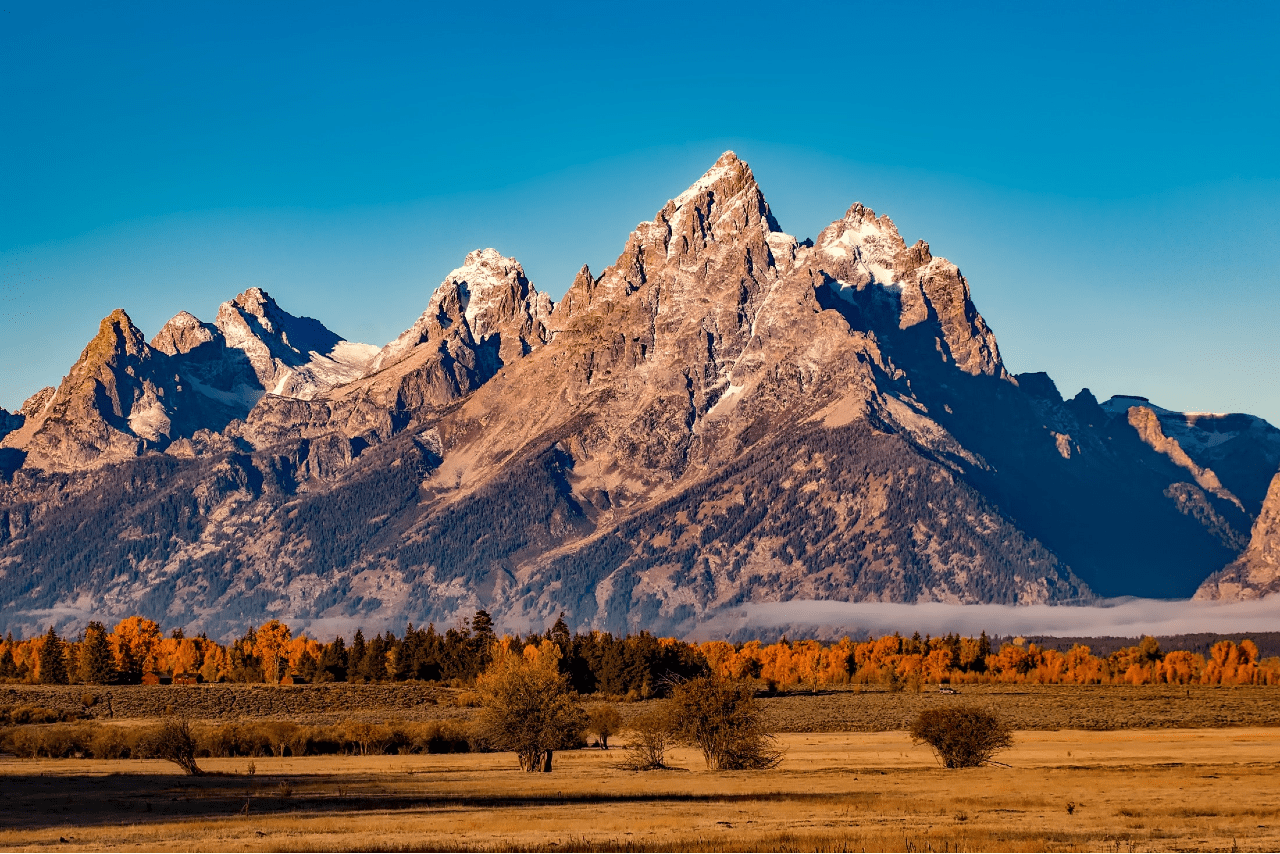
x: 37, y: 801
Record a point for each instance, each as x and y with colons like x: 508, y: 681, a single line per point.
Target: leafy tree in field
x: 53, y: 663
x: 528, y: 707
x: 721, y: 719
x: 97, y: 663
x: 604, y: 721
x: 961, y: 736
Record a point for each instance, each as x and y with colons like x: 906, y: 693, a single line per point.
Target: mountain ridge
x: 724, y: 414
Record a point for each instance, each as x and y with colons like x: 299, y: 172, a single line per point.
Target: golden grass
x: 1068, y: 790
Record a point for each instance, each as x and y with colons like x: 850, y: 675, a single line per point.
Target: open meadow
x: 1214, y: 789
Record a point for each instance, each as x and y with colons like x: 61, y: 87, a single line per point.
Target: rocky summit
x: 726, y: 414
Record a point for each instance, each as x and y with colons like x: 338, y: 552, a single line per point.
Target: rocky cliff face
x: 117, y: 400
x: 1256, y: 573
x: 724, y: 414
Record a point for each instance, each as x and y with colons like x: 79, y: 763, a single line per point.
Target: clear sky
x: 1105, y: 174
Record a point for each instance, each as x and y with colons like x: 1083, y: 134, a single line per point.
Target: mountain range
x: 724, y: 415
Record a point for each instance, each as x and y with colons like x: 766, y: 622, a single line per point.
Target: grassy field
x: 1127, y: 790
x: 872, y: 709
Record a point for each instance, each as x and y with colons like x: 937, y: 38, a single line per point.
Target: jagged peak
x: 256, y: 301
x: 181, y: 334
x: 117, y: 337
x: 728, y: 178
x: 35, y: 404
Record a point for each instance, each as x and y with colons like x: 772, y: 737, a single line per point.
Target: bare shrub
x: 647, y: 746
x: 602, y: 722
x: 174, y: 741
x: 721, y: 719
x: 962, y: 736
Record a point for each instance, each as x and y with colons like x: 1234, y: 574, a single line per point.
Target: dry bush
x: 31, y: 714
x: 962, y: 736
x: 112, y: 742
x: 721, y: 718
x: 647, y: 747
x: 174, y: 742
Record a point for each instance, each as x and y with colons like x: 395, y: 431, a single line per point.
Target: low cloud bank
x: 1117, y: 618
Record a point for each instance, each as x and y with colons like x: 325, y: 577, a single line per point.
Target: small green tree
x: 97, y: 664
x: 53, y: 662
x: 528, y: 707
x: 961, y: 736
x: 721, y: 719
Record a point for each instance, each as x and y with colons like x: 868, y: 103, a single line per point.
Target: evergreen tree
x: 53, y: 664
x: 355, y: 656
x: 560, y: 636
x: 8, y: 667
x: 333, y: 662
x: 97, y: 664
x: 482, y: 625
x: 984, y: 649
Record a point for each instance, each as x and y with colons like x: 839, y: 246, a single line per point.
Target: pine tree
x: 559, y: 634
x: 355, y: 656
x: 482, y: 625
x: 97, y: 664
x: 8, y: 667
x: 53, y: 664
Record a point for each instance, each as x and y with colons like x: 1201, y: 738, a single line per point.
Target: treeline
x: 633, y: 667
x: 135, y: 651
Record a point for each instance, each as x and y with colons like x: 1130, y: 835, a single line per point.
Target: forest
x: 634, y: 667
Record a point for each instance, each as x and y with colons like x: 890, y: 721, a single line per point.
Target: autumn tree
x: 528, y: 706
x: 268, y: 643
x: 97, y: 663
x: 52, y: 661
x: 722, y: 719
x: 134, y: 641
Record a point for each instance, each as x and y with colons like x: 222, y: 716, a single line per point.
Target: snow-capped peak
x: 722, y: 169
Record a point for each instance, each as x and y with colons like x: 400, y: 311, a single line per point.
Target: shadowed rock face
x: 724, y: 414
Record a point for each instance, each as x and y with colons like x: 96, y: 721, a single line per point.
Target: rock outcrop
x: 117, y: 400
x: 1256, y: 573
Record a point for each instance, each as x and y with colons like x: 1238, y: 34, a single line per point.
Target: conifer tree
x: 97, y: 664
x: 8, y: 667
x: 53, y: 664
x: 355, y: 656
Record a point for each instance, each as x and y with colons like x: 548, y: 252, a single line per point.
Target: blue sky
x: 1104, y: 174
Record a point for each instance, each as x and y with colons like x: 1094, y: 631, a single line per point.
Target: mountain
x: 124, y: 397
x: 724, y: 414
